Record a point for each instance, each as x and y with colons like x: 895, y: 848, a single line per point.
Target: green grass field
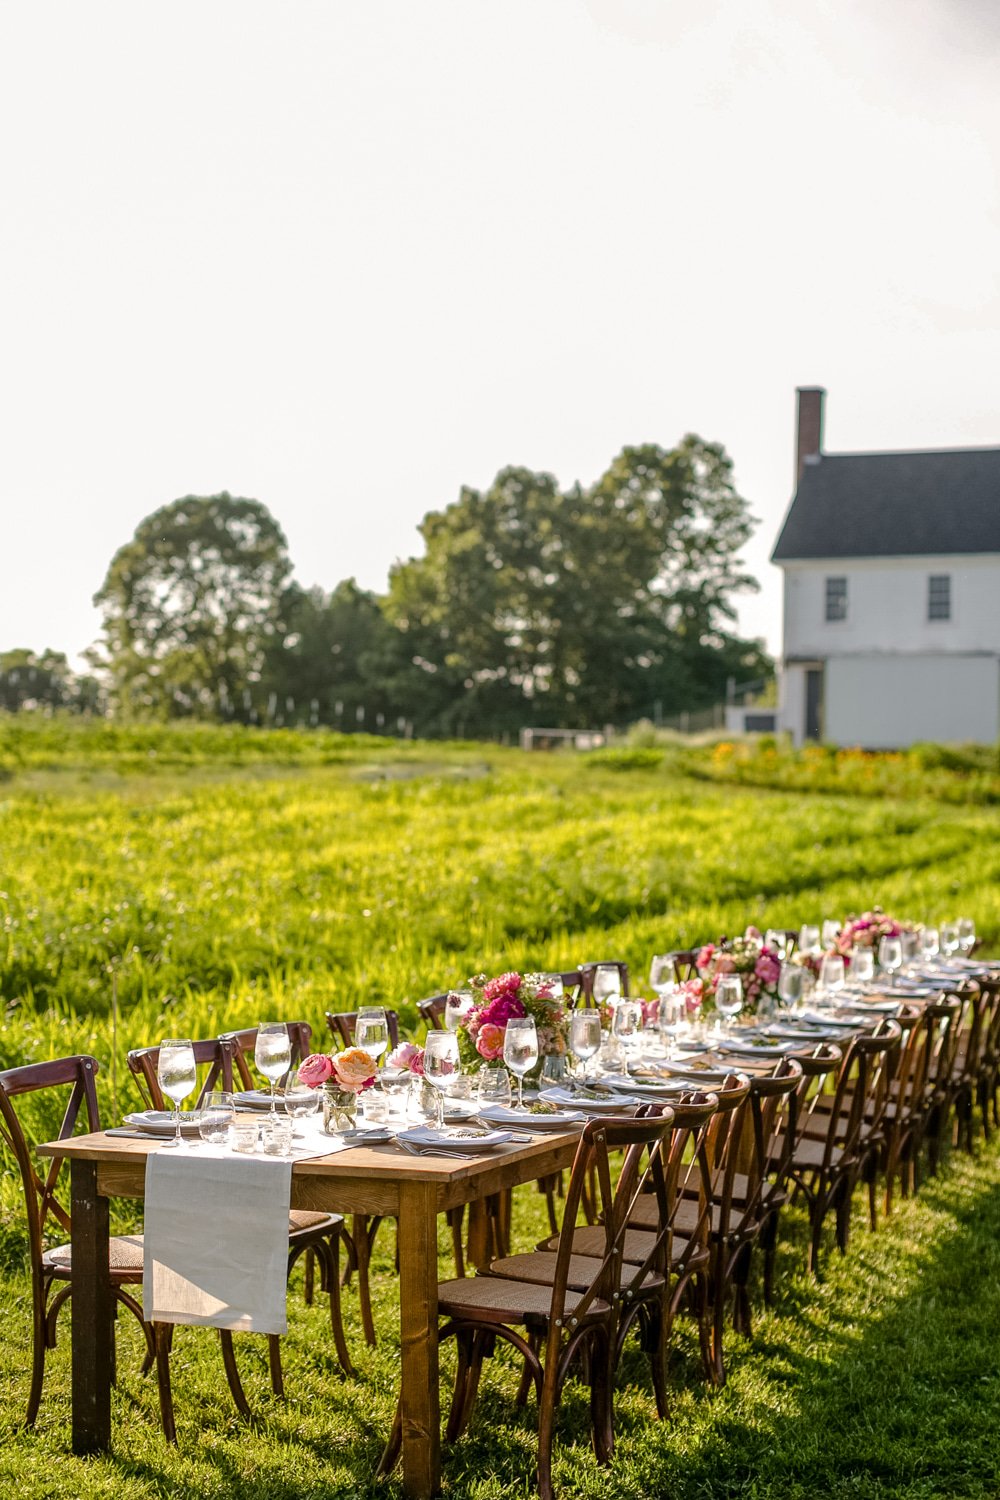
x: 209, y: 879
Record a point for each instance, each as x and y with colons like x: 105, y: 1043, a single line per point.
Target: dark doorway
x: 814, y: 703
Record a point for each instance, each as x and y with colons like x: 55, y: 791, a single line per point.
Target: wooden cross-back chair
x: 310, y: 1234
x: 989, y: 1066
x: 343, y: 1026
x: 74, y: 1078
x: 685, y: 962
x: 431, y: 1010
x: 831, y: 1155
x: 588, y: 971
x: 944, y: 1014
x: 569, y: 1313
x: 299, y: 1039
x: 906, y: 1104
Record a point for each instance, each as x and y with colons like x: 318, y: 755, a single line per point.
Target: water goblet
x: 626, y: 1028
x: 911, y: 948
x: 966, y: 935
x: 831, y: 977
x: 777, y: 940
x: 862, y: 966
x: 670, y: 1013
x: 371, y: 1032
x: 890, y: 956
x: 520, y: 1052
x: 930, y: 943
x: 662, y: 977
x: 790, y: 985
x: 809, y: 940
x: 585, y: 1035
x: 272, y: 1053
x: 456, y: 1008
x: 948, y: 936
x: 728, y: 997
x: 217, y: 1112
x: 830, y: 933
x: 607, y: 985
x: 551, y: 985
x: 177, y: 1075
x: 441, y: 1067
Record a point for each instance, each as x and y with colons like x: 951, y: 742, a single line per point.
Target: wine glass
x: 300, y: 1101
x: 441, y: 1067
x: 456, y: 1008
x: 809, y: 940
x: 217, y: 1111
x: 862, y: 967
x: 831, y: 976
x: 520, y: 1052
x: 371, y: 1031
x: 930, y: 944
x: 775, y: 939
x: 177, y: 1075
x: 607, y: 984
x: 948, y: 936
x: 911, y: 948
x: 585, y: 1035
x: 662, y: 977
x: 551, y: 985
x: 626, y: 1027
x: 273, y: 1053
x: 670, y: 1013
x: 890, y: 956
x: 831, y: 932
x: 790, y: 985
x: 728, y: 997
x: 966, y: 935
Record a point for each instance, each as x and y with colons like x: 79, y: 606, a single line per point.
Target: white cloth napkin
x: 216, y: 1240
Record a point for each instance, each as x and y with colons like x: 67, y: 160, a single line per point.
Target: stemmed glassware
x: 626, y: 1027
x: 830, y: 934
x: 607, y: 984
x: 520, y: 1052
x: 831, y: 976
x: 862, y: 967
x: 809, y: 940
x: 441, y: 1067
x: 456, y: 1008
x: 585, y: 1035
x: 273, y: 1053
x: 728, y: 997
x: 662, y: 978
x: 790, y: 985
x: 930, y: 943
x: 371, y: 1031
x: 775, y: 939
x: 966, y: 935
x: 177, y: 1075
x: 948, y: 933
x: 890, y: 956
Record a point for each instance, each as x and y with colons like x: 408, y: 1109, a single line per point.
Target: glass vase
x: 340, y: 1108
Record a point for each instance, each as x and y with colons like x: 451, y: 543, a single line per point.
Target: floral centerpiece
x: 342, y: 1076
x: 867, y: 930
x: 407, y: 1058
x: 756, y: 963
x: 497, y: 1001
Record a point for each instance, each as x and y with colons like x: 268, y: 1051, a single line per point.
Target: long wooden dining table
x: 361, y: 1180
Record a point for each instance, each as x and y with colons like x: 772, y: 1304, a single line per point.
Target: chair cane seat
x: 811, y: 1153
x: 303, y: 1220
x: 495, y: 1299
x: 540, y: 1266
x: 125, y: 1257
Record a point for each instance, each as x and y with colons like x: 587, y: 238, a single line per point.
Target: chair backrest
x: 908, y: 1072
x: 213, y: 1059
x: 944, y: 1017
x: 431, y: 1010
x: 824, y: 1060
x: 688, y: 1173
x: 642, y: 1170
x: 685, y: 962
x: 343, y: 1023
x: 40, y: 1179
x: 976, y: 1010
x: 774, y: 1111
x: 244, y: 1042
x: 862, y: 1091
x: 587, y: 972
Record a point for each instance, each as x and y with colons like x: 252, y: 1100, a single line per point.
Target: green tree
x: 581, y: 607
x: 35, y: 680
x: 193, y: 605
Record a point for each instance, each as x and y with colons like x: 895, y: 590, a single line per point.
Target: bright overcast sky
x: 344, y: 256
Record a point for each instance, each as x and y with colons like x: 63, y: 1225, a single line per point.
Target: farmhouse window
x: 836, y: 598
x: 939, y: 596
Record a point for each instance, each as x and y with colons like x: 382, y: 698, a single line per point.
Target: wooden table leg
x: 93, y: 1310
x: 418, y: 1326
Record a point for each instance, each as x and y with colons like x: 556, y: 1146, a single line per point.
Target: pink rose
x: 754, y: 934
x: 407, y: 1056
x: 705, y: 957
x: 650, y: 1012
x: 692, y: 991
x: 353, y: 1069
x: 767, y: 968
x: 489, y: 1042
x: 315, y: 1070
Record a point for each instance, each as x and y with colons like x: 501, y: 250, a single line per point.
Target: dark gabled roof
x: 894, y: 505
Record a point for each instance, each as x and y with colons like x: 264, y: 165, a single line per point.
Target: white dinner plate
x: 162, y: 1122
x: 499, y: 1114
x: 425, y: 1138
x: 568, y: 1099
x: 256, y: 1099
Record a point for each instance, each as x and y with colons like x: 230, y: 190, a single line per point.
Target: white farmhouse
x: 891, y: 567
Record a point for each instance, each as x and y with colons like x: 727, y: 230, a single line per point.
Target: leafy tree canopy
x: 193, y: 604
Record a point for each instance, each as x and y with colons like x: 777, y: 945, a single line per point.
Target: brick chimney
x: 809, y: 428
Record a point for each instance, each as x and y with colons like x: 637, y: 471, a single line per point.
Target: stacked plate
x: 163, y: 1121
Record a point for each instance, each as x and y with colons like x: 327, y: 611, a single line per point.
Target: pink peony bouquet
x: 351, y: 1070
x: 497, y: 1001
x: 866, y: 930
x: 757, y: 964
